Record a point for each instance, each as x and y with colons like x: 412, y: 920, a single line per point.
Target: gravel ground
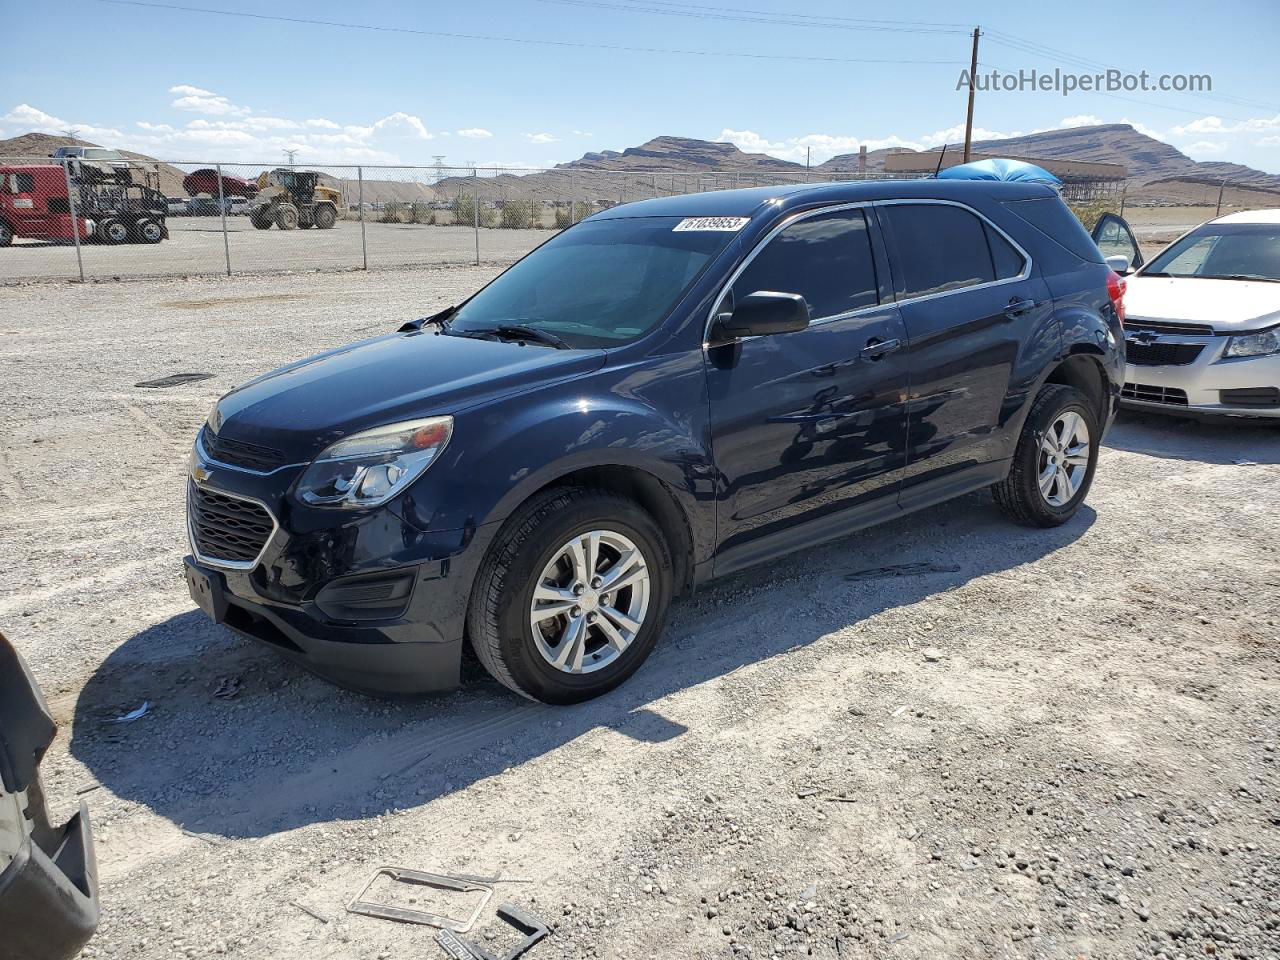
x: 1050, y: 744
x: 195, y: 247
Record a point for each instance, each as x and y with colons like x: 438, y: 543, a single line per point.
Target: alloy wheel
x: 590, y: 601
x: 1064, y: 459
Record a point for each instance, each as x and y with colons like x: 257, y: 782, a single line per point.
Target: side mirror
x: 762, y: 314
x: 1119, y: 263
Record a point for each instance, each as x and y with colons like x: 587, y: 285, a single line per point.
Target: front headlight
x: 368, y: 469
x: 1255, y: 344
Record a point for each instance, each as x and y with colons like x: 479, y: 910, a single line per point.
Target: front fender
x: 504, y: 452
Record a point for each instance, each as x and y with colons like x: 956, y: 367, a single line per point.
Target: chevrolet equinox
x: 669, y: 391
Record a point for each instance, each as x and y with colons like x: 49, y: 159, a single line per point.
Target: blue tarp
x: 1000, y: 169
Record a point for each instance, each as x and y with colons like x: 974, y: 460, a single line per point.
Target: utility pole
x: 290, y: 154
x: 973, y: 83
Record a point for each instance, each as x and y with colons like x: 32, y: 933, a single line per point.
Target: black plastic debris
x: 173, y: 380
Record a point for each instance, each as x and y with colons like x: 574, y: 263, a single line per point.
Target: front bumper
x: 1209, y: 384
x: 362, y: 598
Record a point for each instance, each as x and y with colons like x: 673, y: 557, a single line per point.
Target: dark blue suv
x: 669, y: 391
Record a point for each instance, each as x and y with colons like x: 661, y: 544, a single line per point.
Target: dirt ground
x: 1082, y: 764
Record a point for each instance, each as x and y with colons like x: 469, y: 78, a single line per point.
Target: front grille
x: 1169, y: 326
x: 1161, y: 354
x: 226, y: 529
x: 1260, y: 397
x: 237, y: 453
x: 1153, y: 394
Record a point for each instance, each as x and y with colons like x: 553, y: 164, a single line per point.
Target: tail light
x: 1115, y: 290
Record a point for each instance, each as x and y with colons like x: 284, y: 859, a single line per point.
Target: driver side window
x: 826, y: 259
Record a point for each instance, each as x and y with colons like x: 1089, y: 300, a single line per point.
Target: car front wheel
x: 1054, y: 463
x: 572, y: 597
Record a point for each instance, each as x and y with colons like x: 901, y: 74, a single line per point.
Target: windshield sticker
x: 726, y: 224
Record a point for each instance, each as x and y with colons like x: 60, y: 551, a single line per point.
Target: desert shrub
x: 392, y: 212
x: 464, y: 211
x: 571, y: 213
x: 420, y: 212
x: 1088, y: 212
x: 522, y: 214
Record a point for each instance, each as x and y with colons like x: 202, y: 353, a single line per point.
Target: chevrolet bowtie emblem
x: 1144, y: 337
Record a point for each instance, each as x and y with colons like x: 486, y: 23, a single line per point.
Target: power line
x: 1025, y: 45
x: 961, y: 27
x: 523, y: 40
x: 739, y: 15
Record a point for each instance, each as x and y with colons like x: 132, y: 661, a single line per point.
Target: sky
x: 532, y: 83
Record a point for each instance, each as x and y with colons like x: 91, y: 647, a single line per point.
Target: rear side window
x: 1007, y: 260
x: 1055, y: 220
x: 826, y: 259
x: 937, y: 248
x: 18, y: 183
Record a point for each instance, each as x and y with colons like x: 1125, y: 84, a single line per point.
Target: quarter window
x: 1007, y: 260
x: 825, y: 258
x: 938, y: 248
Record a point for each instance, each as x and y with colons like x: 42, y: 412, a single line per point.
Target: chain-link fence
x: 134, y: 219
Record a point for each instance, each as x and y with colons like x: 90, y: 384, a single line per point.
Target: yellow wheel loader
x: 294, y: 198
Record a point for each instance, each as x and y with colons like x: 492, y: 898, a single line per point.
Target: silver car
x: 1202, y: 327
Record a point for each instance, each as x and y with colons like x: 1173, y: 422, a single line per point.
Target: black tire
x: 146, y: 230
x: 1019, y: 495
x: 112, y: 230
x: 325, y: 216
x: 498, y: 617
x: 304, y: 223
x: 261, y: 218
x: 286, y: 216
x: 6, y: 234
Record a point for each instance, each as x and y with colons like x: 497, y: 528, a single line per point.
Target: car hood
x: 1225, y: 305
x: 302, y: 408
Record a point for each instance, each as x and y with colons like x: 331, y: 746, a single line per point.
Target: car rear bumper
x: 1243, y: 387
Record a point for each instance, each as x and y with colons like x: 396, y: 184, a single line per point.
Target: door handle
x: 876, y: 348
x: 1018, y: 306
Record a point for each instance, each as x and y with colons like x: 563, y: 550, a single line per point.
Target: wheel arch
x: 651, y: 493
x: 1085, y: 372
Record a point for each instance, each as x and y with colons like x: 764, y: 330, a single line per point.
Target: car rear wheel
x: 572, y: 597
x: 1054, y: 463
x: 6, y: 234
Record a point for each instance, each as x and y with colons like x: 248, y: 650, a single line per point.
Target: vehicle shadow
x: 240, y: 743
x: 1221, y: 440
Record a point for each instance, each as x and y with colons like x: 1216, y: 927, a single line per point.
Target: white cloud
x: 198, y: 100
x: 29, y: 118
x: 1081, y: 120
x: 475, y: 133
x: 1216, y: 126
x: 323, y: 124
x: 154, y: 127
x: 1205, y: 146
x: 541, y: 138
x: 583, y: 133
x: 397, y: 119
x: 1268, y: 142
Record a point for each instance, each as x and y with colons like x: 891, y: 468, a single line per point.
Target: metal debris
x: 132, y: 715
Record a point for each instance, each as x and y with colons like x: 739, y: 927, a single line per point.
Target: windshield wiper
x: 1239, y: 276
x: 520, y: 331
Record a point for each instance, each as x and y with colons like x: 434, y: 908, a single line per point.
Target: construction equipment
x: 294, y: 198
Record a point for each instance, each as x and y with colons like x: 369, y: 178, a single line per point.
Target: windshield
x: 1243, y: 251
x: 599, y: 284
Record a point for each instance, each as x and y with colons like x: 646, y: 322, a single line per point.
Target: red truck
x: 34, y: 203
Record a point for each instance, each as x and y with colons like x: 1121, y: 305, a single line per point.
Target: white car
x: 1202, y: 326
